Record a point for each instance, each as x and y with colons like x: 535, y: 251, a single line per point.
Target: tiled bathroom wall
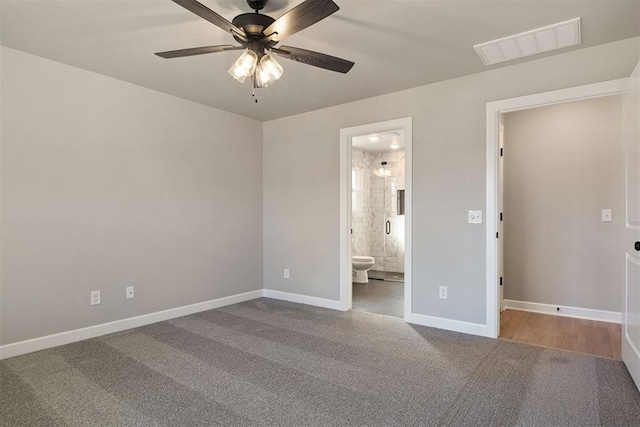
x: 374, y: 201
x: 360, y: 206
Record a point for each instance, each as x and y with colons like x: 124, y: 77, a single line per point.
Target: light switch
x: 606, y: 215
x: 475, y: 217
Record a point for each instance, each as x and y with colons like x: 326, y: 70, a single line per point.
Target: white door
x: 631, y: 308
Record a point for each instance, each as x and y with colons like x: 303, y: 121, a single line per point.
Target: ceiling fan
x: 258, y: 36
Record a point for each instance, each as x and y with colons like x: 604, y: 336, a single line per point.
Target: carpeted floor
x: 380, y: 297
x: 268, y: 362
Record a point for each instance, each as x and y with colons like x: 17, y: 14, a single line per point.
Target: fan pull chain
x: 253, y: 87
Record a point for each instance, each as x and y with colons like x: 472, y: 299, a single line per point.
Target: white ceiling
x: 396, y: 44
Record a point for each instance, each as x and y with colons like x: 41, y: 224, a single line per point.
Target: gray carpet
x: 380, y: 297
x: 268, y: 362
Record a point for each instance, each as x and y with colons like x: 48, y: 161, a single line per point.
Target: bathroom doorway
x: 378, y: 222
x: 375, y: 218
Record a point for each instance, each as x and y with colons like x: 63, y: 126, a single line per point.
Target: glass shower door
x: 377, y: 216
x: 387, y: 223
x: 393, y: 220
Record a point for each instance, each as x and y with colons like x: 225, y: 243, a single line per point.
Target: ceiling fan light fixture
x: 273, y: 67
x: 244, y: 66
x: 268, y: 71
x: 263, y: 78
x: 257, y: 34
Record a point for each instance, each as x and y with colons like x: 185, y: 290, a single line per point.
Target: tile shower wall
x: 361, y: 213
x: 374, y: 201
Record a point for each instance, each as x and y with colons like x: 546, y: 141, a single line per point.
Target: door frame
x: 494, y: 109
x: 346, y: 135
x: 631, y: 133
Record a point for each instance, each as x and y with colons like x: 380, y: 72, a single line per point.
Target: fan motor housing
x: 257, y: 4
x: 253, y: 24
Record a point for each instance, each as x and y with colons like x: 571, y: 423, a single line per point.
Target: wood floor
x: 566, y: 333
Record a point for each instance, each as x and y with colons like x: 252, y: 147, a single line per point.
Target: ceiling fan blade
x: 205, y: 13
x: 197, y: 51
x: 300, y: 17
x: 316, y: 59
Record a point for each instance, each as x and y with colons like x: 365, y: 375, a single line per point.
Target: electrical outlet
x: 130, y: 292
x: 286, y: 273
x: 443, y: 292
x: 95, y: 297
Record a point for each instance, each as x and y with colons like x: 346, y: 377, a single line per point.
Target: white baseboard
x: 449, y: 324
x: 565, y: 311
x: 304, y: 299
x: 41, y: 343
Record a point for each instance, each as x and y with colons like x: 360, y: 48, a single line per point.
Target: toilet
x: 360, y: 266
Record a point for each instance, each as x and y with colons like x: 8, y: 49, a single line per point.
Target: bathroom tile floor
x: 380, y: 297
x: 386, y: 275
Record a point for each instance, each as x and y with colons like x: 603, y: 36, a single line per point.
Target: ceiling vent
x: 556, y: 36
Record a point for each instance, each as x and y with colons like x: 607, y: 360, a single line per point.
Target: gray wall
x: 301, y: 178
x: 107, y: 184
x: 563, y: 164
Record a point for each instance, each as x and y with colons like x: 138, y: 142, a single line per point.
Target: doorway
x: 562, y: 197
x: 376, y: 217
x: 378, y: 222
x: 561, y: 300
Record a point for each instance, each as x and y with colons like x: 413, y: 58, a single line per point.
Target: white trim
x: 565, y: 311
x: 595, y: 90
x: 346, y: 135
x: 303, y: 299
x: 625, y: 326
x: 633, y: 347
x: 612, y: 87
x: 408, y: 215
x: 41, y: 343
x: 345, y: 221
x: 449, y: 324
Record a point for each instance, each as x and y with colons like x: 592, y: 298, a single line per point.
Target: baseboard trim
x: 304, y: 299
x: 49, y: 341
x: 565, y: 311
x: 449, y: 324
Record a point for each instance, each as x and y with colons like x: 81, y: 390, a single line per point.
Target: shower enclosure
x: 378, y: 211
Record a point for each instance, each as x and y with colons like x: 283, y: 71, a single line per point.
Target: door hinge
x: 500, y: 216
x: 501, y: 281
x: 497, y: 235
x: 501, y: 151
x: 352, y: 231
